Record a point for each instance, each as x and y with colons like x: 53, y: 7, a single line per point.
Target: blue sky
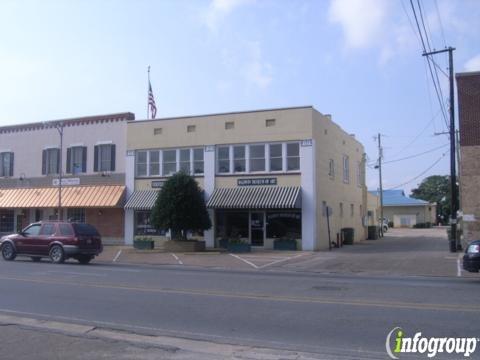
x: 359, y: 60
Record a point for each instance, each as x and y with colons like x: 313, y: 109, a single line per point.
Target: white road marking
x: 77, y: 273
x: 117, y: 256
x: 180, y: 262
x: 244, y: 260
x: 459, y: 267
x: 281, y: 260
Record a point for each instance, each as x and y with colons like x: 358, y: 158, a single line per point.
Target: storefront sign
x: 157, y: 184
x: 257, y: 181
x: 66, y: 182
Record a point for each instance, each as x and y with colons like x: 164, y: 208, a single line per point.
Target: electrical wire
x: 419, y: 175
x: 416, y: 155
x: 434, y: 78
x: 440, y: 22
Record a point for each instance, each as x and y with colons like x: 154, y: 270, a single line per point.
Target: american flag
x: 151, y: 101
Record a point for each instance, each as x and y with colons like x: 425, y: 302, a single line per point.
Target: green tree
x: 436, y: 188
x: 180, y: 207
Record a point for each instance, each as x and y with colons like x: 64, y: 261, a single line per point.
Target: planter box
x: 143, y: 245
x: 239, y: 248
x: 184, y: 246
x: 285, y: 245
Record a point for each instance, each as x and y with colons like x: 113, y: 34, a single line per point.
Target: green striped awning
x: 256, y: 197
x: 142, y: 200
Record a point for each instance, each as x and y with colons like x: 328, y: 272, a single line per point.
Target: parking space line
x: 117, y: 256
x: 459, y: 268
x: 180, y: 262
x: 244, y: 260
x: 281, y: 260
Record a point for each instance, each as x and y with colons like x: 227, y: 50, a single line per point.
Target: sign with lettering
x: 257, y: 181
x: 157, y: 184
x: 307, y: 142
x: 66, y: 182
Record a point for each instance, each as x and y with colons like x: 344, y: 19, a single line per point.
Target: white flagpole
x: 148, y: 92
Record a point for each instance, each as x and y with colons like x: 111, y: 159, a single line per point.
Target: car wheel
x: 8, y: 252
x: 84, y: 259
x: 35, y: 258
x: 57, y: 255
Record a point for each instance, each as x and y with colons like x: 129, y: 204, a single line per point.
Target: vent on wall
x: 229, y: 125
x: 157, y: 131
x: 191, y: 128
x: 270, y: 122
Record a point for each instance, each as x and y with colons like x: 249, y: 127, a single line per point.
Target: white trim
x: 106, y: 142
x: 75, y: 145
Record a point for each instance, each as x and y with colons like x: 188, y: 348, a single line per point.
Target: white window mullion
x: 230, y: 154
x: 247, y: 158
x: 191, y: 162
x: 160, y: 165
x: 177, y: 158
x: 284, y: 157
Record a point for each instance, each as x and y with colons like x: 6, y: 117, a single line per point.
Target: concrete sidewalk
x: 402, y: 252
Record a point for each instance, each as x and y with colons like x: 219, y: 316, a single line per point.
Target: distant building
x: 468, y: 87
x: 405, y: 211
x: 267, y: 174
x: 92, y: 164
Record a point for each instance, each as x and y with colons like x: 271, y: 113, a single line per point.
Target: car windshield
x: 85, y: 230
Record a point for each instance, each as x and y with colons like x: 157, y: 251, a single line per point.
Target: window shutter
x: 44, y: 162
x: 95, y: 159
x: 112, y: 162
x: 69, y: 160
x: 11, y: 164
x: 84, y: 159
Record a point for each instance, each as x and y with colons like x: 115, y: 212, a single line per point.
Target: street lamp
x: 59, y: 126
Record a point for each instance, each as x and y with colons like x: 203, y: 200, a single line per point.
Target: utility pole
x: 380, y: 156
x: 453, y: 177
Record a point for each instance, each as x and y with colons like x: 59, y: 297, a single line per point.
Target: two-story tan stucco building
x: 267, y: 174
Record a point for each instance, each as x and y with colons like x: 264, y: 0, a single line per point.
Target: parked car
x: 471, y: 259
x: 58, y: 240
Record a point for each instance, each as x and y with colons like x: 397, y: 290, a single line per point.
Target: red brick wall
x: 468, y: 87
x: 108, y: 221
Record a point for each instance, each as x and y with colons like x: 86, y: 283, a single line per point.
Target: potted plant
x: 237, y: 245
x: 285, y: 243
x: 143, y: 243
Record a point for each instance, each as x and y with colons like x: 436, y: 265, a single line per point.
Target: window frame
x: 250, y: 158
x: 9, y: 167
x: 287, y: 157
x: 346, y: 169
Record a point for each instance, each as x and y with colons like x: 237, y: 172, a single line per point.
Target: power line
x: 421, y: 174
x: 416, y: 155
x: 437, y: 91
x: 440, y: 22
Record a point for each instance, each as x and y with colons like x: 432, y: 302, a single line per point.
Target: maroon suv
x: 58, y: 240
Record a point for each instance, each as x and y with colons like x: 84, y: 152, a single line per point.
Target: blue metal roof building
x: 398, y: 198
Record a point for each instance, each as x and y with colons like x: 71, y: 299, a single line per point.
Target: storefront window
x: 76, y: 215
x: 143, y: 225
x: 198, y: 161
x: 232, y: 224
x: 154, y: 163
x: 224, y: 159
x: 276, y: 159
x: 257, y: 158
x: 185, y: 160
x: 169, y: 162
x: 141, y: 163
x: 6, y: 221
x: 239, y: 158
x: 284, y: 225
x: 293, y: 156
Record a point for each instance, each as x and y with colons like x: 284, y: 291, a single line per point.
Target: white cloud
x: 473, y: 64
x: 218, y: 10
x: 258, y: 71
x: 362, y: 20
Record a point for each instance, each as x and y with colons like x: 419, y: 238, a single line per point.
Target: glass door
x: 257, y: 228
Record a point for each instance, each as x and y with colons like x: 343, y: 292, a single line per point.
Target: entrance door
x: 257, y: 228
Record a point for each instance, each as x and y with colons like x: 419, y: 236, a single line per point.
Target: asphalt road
x: 347, y: 315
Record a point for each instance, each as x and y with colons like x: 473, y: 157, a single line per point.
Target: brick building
x: 91, y: 161
x: 468, y: 87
